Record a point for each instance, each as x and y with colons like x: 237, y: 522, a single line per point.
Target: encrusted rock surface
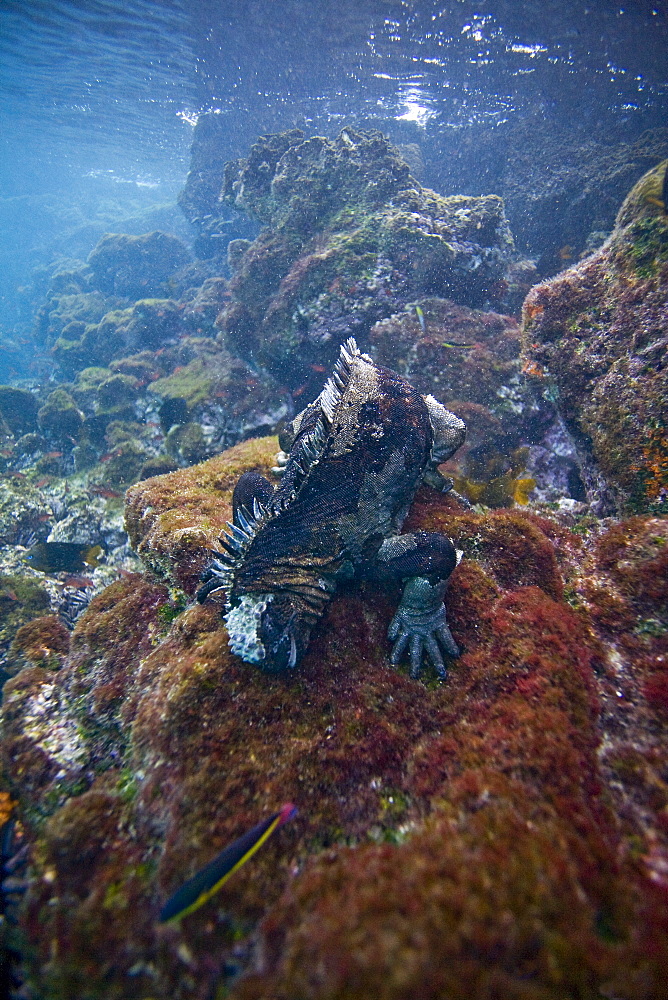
x: 349, y: 236
x: 453, y: 839
x: 136, y: 266
x: 598, y: 333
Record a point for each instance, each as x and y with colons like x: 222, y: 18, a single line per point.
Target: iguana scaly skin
x: 357, y: 456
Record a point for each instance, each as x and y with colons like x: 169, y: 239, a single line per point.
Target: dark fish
x: 62, y: 557
x: 209, y: 879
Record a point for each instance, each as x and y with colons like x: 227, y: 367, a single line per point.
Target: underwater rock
x: 136, y: 266
x: 205, y: 176
x: 157, y: 466
x: 145, y: 366
x: 173, y: 521
x: 349, y: 237
x: 558, y: 190
x: 149, y: 323
x: 18, y: 408
x: 43, y: 642
x: 21, y: 600
x: 30, y: 445
x: 458, y: 353
x: 470, y: 359
x: 202, y: 309
x: 187, y: 443
x: 154, y: 323
x: 123, y: 465
x: 227, y: 398
x: 624, y: 587
x: 450, y: 836
x: 24, y: 511
x: 561, y: 182
x: 60, y: 419
x: 97, y: 389
x: 67, y: 316
x: 597, y: 334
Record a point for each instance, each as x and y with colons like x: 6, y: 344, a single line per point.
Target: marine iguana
x: 357, y: 455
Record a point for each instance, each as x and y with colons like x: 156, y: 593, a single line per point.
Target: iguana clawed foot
x: 420, y: 623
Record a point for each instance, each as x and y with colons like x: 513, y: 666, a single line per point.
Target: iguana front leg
x: 424, y: 560
x: 420, y: 623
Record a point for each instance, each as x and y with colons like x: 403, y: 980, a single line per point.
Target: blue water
x: 98, y: 99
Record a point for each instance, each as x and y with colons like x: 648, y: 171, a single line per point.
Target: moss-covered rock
x: 60, y: 418
x: 21, y: 600
x: 43, y: 642
x: 136, y: 266
x: 452, y: 838
x: 597, y: 333
x: 18, y: 408
x: 192, y: 385
x: 350, y: 237
x: 149, y: 323
x: 220, y: 393
x: 173, y: 521
x: 187, y: 443
x: 67, y: 315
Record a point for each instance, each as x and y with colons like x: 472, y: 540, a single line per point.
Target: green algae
x: 193, y: 384
x: 648, y: 248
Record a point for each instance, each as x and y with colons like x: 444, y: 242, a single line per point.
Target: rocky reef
x: 348, y: 238
x: 470, y: 360
x: 450, y: 837
x: 561, y: 187
x: 503, y: 833
x: 597, y: 334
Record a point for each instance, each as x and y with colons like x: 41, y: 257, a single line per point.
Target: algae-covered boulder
x: 452, y: 838
x: 22, y: 599
x: 44, y: 642
x: 225, y: 396
x: 136, y: 266
x: 149, y: 323
x: 597, y: 334
x: 469, y: 359
x: 64, y: 314
x: 349, y: 237
x: 60, y: 418
x: 18, y: 408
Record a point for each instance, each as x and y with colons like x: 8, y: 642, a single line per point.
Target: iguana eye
x: 279, y: 639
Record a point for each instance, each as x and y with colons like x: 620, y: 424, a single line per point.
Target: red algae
x: 424, y: 918
x: 44, y: 641
x: 454, y: 839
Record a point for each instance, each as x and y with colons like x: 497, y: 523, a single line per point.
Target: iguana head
x: 271, y: 630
